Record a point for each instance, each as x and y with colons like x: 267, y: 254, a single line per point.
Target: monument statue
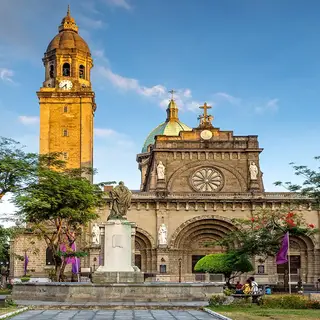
x: 161, y: 171
x: 95, y: 233
x: 162, y: 234
x: 253, y: 171
x: 121, y: 199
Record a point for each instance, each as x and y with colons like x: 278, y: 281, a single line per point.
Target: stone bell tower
x: 66, y: 98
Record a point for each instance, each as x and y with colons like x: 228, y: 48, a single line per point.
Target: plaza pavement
x: 114, y: 315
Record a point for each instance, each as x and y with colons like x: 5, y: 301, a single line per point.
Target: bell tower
x: 66, y: 99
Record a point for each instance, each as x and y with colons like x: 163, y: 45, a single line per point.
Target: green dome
x: 168, y: 128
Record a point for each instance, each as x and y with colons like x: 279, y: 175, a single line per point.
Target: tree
x: 58, y: 204
x: 4, y: 243
x: 310, y: 186
x: 16, y: 166
x: 261, y: 234
x: 231, y: 265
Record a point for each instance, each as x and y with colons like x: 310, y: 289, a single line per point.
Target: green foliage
x: 310, y: 188
x: 10, y: 302
x: 16, y: 166
x: 5, y: 234
x: 228, y: 291
x: 230, y: 265
x: 58, y: 203
x: 217, y: 300
x: 261, y: 233
x: 289, y: 302
x: 25, y: 279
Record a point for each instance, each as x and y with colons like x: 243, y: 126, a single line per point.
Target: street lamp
x: 180, y: 269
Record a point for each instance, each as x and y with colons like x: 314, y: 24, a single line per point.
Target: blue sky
x: 256, y: 61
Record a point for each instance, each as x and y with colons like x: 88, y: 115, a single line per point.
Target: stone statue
x: 121, y: 199
x: 253, y: 171
x: 95, y: 233
x: 161, y: 171
x: 162, y: 234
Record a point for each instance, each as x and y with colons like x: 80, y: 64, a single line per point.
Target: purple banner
x: 282, y: 255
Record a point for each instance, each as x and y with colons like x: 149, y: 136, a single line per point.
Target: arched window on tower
x: 82, y: 72
x: 49, y: 257
x: 66, y: 70
x: 51, y: 71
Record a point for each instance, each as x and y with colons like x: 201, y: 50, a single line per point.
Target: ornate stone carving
x: 161, y: 171
x: 95, y: 234
x: 207, y: 180
x: 162, y: 235
x: 253, y: 171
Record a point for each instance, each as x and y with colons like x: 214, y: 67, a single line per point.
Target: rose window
x: 207, y: 180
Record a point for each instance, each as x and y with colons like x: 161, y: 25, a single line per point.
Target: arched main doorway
x: 190, y: 241
x: 302, y: 261
x: 145, y: 256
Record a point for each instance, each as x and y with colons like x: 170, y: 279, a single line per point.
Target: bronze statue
x: 121, y: 199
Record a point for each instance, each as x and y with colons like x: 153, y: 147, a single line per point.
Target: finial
x: 205, y: 119
x: 68, y: 12
x: 172, y: 94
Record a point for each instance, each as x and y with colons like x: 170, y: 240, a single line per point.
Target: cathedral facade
x: 194, y: 181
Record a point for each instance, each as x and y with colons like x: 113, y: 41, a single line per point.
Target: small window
x: 65, y: 155
x: 49, y: 257
x: 51, y: 71
x: 66, y: 70
x: 65, y: 133
x: 65, y: 109
x: 81, y: 72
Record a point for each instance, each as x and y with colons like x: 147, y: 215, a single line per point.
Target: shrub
x: 25, y: 279
x: 10, y: 303
x: 217, y: 300
x: 288, y: 302
x: 229, y: 292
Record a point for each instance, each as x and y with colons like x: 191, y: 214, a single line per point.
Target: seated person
x: 247, y: 287
x: 239, y: 288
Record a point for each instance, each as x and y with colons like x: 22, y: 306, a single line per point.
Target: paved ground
x: 114, y: 315
x: 115, y: 305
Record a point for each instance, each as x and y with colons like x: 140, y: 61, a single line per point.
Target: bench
x: 255, y: 297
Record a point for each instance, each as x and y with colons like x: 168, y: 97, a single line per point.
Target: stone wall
x: 86, y: 292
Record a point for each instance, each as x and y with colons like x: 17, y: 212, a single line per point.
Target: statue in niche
x: 121, y: 200
x: 253, y: 171
x: 95, y: 234
x: 162, y: 234
x: 161, y: 171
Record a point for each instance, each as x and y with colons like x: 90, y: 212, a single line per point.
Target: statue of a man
x: 162, y: 234
x: 95, y: 234
x: 161, y: 171
x: 121, y: 199
x: 253, y: 171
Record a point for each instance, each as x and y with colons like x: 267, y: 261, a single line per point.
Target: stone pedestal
x: 254, y: 186
x: 117, y: 266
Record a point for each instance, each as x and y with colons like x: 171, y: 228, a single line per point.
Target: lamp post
x: 180, y: 269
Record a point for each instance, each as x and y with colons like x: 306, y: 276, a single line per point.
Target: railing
x: 222, y: 195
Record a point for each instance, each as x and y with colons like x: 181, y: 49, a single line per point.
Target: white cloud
x: 227, y: 97
x: 28, y: 120
x: 182, y: 97
x: 119, y: 3
x: 271, y: 105
x: 90, y: 23
x: 6, y: 75
x: 104, y: 133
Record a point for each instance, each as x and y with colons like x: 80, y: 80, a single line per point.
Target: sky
x: 257, y: 62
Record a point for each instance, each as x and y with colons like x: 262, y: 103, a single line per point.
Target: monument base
x: 102, y: 277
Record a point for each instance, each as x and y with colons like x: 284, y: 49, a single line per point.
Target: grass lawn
x: 5, y: 291
x: 258, y: 313
x: 8, y: 309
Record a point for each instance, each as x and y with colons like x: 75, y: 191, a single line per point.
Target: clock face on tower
x: 65, y: 84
